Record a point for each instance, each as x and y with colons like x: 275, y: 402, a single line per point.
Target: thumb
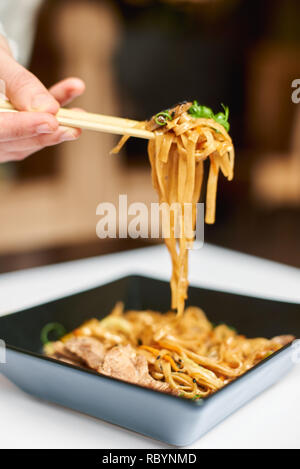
x: 23, y: 89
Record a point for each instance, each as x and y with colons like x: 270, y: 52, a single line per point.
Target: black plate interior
x: 250, y: 316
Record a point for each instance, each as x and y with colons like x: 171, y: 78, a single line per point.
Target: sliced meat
x: 119, y: 362
x: 180, y: 108
x: 283, y: 339
x: 58, y: 351
x: 68, y: 360
x: 91, y: 351
x: 123, y: 363
x: 174, y: 111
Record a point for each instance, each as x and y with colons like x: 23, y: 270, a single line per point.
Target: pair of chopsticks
x: 90, y: 121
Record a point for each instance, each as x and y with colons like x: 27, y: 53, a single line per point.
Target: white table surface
x: 270, y: 421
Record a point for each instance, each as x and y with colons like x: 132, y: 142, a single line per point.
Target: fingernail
x: 44, y: 129
x: 69, y: 135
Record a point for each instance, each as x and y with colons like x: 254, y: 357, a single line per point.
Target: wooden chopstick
x: 90, y: 121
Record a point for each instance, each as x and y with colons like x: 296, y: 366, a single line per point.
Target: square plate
x: 143, y: 410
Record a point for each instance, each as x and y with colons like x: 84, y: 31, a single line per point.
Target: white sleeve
x: 12, y: 44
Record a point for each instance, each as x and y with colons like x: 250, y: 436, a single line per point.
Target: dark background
x: 240, y: 52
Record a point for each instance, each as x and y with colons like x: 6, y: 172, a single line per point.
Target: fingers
x: 33, y: 144
x: 27, y: 93
x: 20, y: 125
x: 24, y: 133
x: 67, y: 90
x: 23, y: 89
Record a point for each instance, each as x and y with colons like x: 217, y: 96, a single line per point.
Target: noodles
x: 192, y: 357
x: 182, y: 143
x: 180, y: 353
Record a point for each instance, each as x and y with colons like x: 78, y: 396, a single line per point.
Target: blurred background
x: 138, y: 57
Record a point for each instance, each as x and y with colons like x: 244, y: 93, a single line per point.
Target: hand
x: 36, y: 127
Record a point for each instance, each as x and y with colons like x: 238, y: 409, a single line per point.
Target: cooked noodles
x: 181, y: 352
x: 177, y: 153
x: 192, y: 358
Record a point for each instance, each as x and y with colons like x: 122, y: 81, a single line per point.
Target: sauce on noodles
x: 180, y: 353
x: 192, y: 358
x: 177, y: 154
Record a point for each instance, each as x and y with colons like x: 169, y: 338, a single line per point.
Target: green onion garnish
x: 52, y: 327
x: 196, y: 397
x: 162, y: 117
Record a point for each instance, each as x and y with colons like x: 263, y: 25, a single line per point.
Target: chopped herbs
x: 222, y: 117
x: 198, y: 111
x: 197, y: 396
x: 162, y: 117
x: 54, y: 328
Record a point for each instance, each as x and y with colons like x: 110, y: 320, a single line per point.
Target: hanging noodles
x: 183, y: 141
